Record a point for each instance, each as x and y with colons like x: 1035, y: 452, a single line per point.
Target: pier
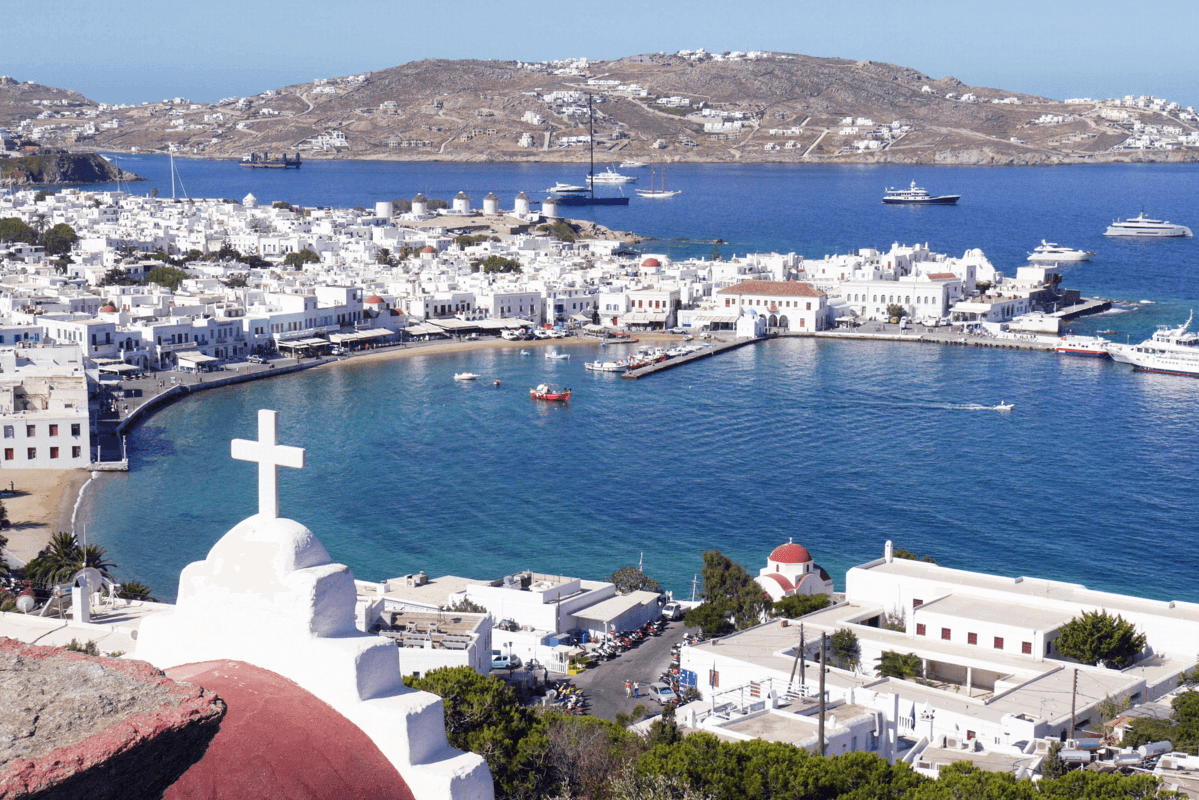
x: 1082, y: 308
x: 707, y: 352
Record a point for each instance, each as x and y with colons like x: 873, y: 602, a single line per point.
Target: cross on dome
x: 269, y: 455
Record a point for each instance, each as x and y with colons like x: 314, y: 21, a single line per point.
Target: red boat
x: 547, y: 391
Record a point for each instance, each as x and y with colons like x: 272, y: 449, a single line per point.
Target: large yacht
x: 1149, y: 228
x: 916, y: 196
x: 1050, y: 253
x: 1173, y: 351
x: 610, y: 177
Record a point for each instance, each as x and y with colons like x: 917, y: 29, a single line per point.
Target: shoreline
x: 43, y: 504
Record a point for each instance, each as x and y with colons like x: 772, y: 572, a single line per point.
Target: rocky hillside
x: 48, y: 165
x: 690, y: 106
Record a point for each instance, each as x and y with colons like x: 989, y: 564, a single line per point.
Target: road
x: 604, y: 684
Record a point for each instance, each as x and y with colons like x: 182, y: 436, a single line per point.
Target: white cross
x: 270, y: 455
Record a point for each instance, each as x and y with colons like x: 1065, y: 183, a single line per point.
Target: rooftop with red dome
x: 790, y: 553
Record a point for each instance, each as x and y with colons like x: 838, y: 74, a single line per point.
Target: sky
x: 148, y: 50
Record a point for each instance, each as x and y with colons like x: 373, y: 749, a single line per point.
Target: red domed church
x: 790, y: 570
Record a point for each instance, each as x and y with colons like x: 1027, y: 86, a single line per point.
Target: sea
x: 837, y: 445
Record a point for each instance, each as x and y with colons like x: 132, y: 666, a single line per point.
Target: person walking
x: 628, y: 688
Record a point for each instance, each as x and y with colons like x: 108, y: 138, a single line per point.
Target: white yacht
x: 566, y: 188
x: 1050, y: 253
x: 1173, y: 351
x: 632, y: 164
x: 610, y: 177
x: 1147, y: 228
x: 915, y: 196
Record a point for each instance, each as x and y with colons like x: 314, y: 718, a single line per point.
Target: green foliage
x: 437, y: 204
x: 282, y: 204
x: 1182, y: 729
x: 894, y: 311
x: 384, y: 257
x: 964, y: 780
x: 795, y: 606
x: 466, y: 240
x: 585, y: 754
x: 89, y: 648
x: 1097, y: 637
x: 168, y: 277
x: 1052, y: 767
x: 118, y: 277
x: 908, y: 555
x: 228, y: 252
x: 59, y: 240
x: 42, y: 195
x: 895, y: 621
x: 630, y: 579
x: 561, y: 230
x: 482, y: 715
x: 135, y: 590
x: 496, y: 264
x: 4, y: 524
x: 63, y: 557
x: 898, y: 665
x: 1189, y: 678
x: 235, y: 281
x: 983, y: 286
x: 761, y: 770
x: 301, y: 258
x: 466, y: 606
x: 664, y: 730
x: 846, y: 649
x: 730, y: 593
x: 14, y: 230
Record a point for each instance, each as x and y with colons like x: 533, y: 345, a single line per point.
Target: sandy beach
x: 40, y: 506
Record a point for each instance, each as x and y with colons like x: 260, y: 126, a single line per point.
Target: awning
x: 582, y: 318
x: 358, y: 336
x: 304, y: 343
x: 120, y: 368
x: 718, y: 318
x: 424, y: 329
x: 196, y: 358
x: 453, y: 323
x: 635, y: 317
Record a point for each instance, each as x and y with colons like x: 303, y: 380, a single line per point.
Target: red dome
x: 108, y: 309
x: 429, y: 249
x: 790, y: 553
x: 374, y: 298
x: 651, y: 262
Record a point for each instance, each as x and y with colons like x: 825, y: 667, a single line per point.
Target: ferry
x: 1144, y: 227
x: 550, y: 392
x: 1172, y: 351
x: 264, y: 161
x: 1086, y: 346
x: 915, y: 196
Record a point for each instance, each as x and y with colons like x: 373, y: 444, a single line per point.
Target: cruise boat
x: 465, y: 376
x: 1145, y: 227
x: 1172, y: 351
x: 1086, y: 346
x: 915, y: 196
x: 1050, y: 253
x: 550, y: 392
x: 610, y: 177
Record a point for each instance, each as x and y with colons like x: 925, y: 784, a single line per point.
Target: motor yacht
x: 1145, y: 227
x: 1050, y: 253
x: 915, y: 196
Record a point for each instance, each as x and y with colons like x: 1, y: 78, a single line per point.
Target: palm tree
x: 63, y: 557
x: 898, y: 665
x: 133, y: 590
x: 94, y: 556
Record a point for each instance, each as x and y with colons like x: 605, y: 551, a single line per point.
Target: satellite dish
x: 25, y: 603
x: 89, y: 578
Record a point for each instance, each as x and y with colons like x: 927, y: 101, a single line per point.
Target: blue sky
x: 138, y: 50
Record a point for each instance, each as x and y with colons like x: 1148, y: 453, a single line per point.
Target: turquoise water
x: 841, y: 445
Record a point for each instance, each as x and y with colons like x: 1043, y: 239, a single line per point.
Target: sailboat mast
x: 591, y: 142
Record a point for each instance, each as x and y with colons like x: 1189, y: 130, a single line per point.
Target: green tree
x: 168, y: 277
x: 585, y: 754
x: 282, y: 204
x: 63, y: 557
x: 729, y: 593
x: 496, y: 264
x: 482, y: 715
x: 898, y: 665
x: 846, y: 649
x: 135, y: 590
x: 1097, y: 637
x: 1182, y: 729
x: 384, y: 257
x: 895, y: 311
x: 228, y: 252
x: 118, y: 277
x: 795, y: 606
x: 710, y: 619
x: 630, y: 579
x: 4, y: 524
x: 42, y: 195
x: 1052, y: 767
x: 908, y: 555
x: 14, y: 230
x: 301, y: 258
x: 59, y: 240
x: 235, y: 281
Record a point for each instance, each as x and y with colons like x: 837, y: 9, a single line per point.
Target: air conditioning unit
x: 1167, y: 763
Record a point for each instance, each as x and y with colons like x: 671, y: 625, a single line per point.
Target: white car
x: 662, y: 693
x: 672, y: 611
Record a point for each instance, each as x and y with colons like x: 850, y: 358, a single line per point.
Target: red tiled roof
x: 774, y: 289
x: 942, y: 276
x: 279, y: 741
x: 374, y: 298
x: 781, y: 580
x: 428, y: 249
x: 651, y: 262
x: 790, y: 553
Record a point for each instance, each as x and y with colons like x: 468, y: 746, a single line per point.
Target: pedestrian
x: 636, y: 689
x: 628, y: 688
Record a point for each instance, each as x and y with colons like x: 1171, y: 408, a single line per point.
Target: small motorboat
x: 465, y: 376
x: 1005, y: 406
x: 550, y: 392
x: 525, y: 353
x: 606, y: 366
x: 554, y: 354
x: 496, y: 383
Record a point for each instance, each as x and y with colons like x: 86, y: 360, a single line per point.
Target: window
x: 53, y: 430
x: 998, y: 642
x: 8, y: 454
x: 53, y: 452
x: 74, y: 428
x: 946, y: 634
x: 31, y: 453
x: 76, y: 451
x: 971, y: 638
x: 31, y: 430
x: 809, y: 308
x: 713, y: 678
x: 919, y: 628
x: 1026, y: 648
x: 9, y: 433
x: 916, y: 603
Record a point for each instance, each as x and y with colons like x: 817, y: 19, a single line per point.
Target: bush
x: 1097, y: 637
x: 630, y: 579
x: 796, y: 606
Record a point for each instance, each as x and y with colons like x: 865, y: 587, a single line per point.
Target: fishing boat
x: 555, y: 355
x: 606, y: 366
x: 651, y: 192
x: 465, y: 376
x: 550, y: 392
x: 525, y: 353
x: 1003, y: 406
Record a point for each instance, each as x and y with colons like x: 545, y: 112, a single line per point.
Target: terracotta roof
x: 107, y: 309
x: 374, y: 298
x: 651, y: 262
x: 781, y: 580
x: 428, y: 249
x: 774, y: 289
x: 942, y: 276
x: 790, y: 553
x: 279, y: 741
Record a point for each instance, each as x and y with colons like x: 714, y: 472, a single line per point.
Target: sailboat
x: 652, y: 192
x: 589, y: 199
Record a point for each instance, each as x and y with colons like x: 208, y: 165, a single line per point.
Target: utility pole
x: 803, y: 662
x: 1073, y: 702
x: 820, y: 733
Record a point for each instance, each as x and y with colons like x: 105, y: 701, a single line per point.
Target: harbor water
x: 840, y: 445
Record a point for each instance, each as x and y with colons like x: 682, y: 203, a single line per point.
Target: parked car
x: 337, y: 350
x: 672, y: 611
x: 662, y: 693
x: 256, y: 359
x: 501, y: 661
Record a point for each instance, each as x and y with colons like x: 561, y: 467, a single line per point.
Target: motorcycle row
x: 618, y: 643
x: 671, y: 676
x: 568, y: 697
